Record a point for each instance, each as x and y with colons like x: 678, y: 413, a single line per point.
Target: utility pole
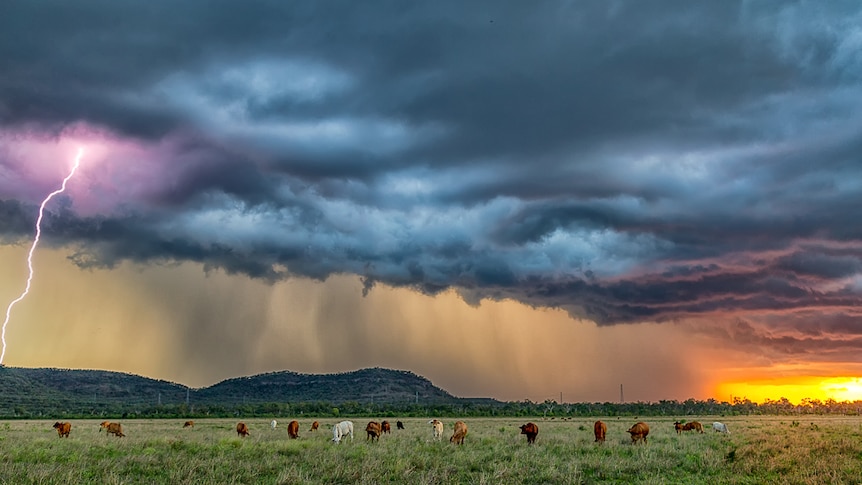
x: 187, y: 396
x: 622, y: 400
x: 160, y: 398
x: 561, y: 397
x: 417, y: 397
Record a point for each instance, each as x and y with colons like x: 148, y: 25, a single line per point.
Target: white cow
x: 273, y: 424
x: 437, y: 428
x: 341, y: 430
x: 720, y: 427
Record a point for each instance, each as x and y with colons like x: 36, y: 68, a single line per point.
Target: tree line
x: 50, y: 409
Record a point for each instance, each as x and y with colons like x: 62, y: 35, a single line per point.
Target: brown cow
x: 314, y: 426
x: 115, y: 429
x: 242, y: 430
x: 189, y: 424
x: 694, y: 425
x: 293, y: 429
x: 600, y: 429
x: 639, y: 431
x: 373, y: 430
x: 459, y: 434
x: 385, y: 428
x: 63, y: 429
x: 399, y: 425
x: 531, y: 430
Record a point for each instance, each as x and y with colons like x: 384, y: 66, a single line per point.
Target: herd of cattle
x: 639, y: 431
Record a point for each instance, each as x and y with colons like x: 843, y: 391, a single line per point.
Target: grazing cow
x: 373, y: 430
x: 436, y: 428
x: 63, y: 429
x: 242, y: 430
x: 399, y: 425
x: 293, y: 429
x: 600, y: 429
x: 273, y: 424
x: 720, y: 427
x: 639, y: 431
x: 459, y: 434
x: 531, y: 430
x: 314, y: 426
x: 189, y: 424
x: 385, y: 428
x: 115, y: 429
x: 341, y: 430
x: 694, y: 425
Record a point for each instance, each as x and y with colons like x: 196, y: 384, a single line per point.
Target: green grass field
x: 803, y: 449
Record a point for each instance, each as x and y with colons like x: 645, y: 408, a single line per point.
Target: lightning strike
x: 33, y: 248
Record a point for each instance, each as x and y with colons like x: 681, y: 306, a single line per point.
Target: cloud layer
x: 620, y: 160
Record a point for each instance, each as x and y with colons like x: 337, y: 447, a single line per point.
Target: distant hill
x: 366, y: 385
x: 33, y: 391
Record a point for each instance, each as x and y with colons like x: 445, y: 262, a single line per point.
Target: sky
x: 515, y: 201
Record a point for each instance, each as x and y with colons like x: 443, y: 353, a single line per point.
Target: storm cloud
x: 623, y: 161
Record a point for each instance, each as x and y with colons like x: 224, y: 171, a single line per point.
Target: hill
x: 29, y: 391
x: 380, y: 386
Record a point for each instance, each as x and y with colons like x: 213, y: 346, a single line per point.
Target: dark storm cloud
x: 623, y: 160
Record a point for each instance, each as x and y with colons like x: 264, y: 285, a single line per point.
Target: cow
x: 720, y: 427
x: 341, y: 430
x: 531, y: 430
x: 314, y: 426
x: 459, y: 433
x: 63, y: 429
x: 115, y: 429
x: 600, y: 429
x: 293, y: 429
x: 373, y: 430
x: 273, y: 424
x: 639, y: 432
x: 385, y: 428
x: 399, y: 425
x: 436, y: 428
x: 189, y: 424
x: 242, y: 430
x: 694, y: 425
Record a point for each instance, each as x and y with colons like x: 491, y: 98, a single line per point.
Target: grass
x: 813, y: 450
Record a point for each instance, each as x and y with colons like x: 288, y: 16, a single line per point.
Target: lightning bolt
x: 33, y: 248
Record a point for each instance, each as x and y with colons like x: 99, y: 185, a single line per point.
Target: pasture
x: 786, y: 449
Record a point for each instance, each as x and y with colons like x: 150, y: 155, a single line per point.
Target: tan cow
x: 242, y: 430
x: 293, y: 429
x: 189, y: 424
x: 459, y: 433
x: 385, y: 428
x: 373, y: 430
x: 531, y: 430
x: 639, y: 432
x: 600, y: 429
x: 63, y: 429
x: 115, y: 429
x: 437, y: 428
x: 314, y: 426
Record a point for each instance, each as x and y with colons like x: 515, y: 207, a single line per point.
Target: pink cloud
x: 115, y: 173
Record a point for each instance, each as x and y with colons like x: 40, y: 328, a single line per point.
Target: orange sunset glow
x: 795, y: 389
